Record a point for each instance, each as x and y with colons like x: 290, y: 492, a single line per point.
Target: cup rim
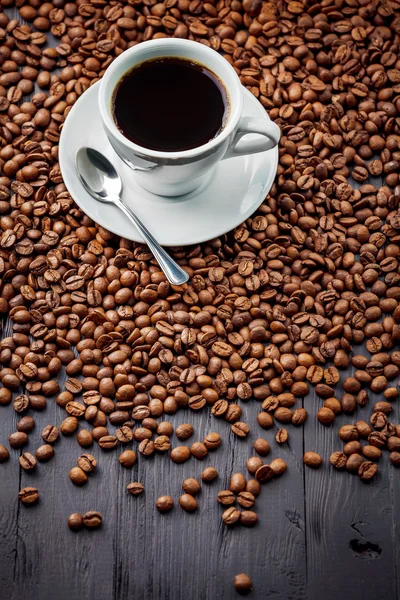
x: 234, y: 91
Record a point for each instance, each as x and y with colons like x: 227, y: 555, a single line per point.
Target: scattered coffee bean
x: 253, y: 486
x: 191, y: 486
x: 262, y: 447
x: 26, y: 424
x: 180, y: 454
x: 238, y: 483
x: 243, y: 583
x: 183, y: 432
x: 75, y: 522
x: 354, y: 461
x: 164, y: 503
x: 4, y: 454
x: 87, y: 463
x: 367, y: 470
x: 84, y: 438
x: 127, y: 459
x: 212, y: 441
x: 92, y: 519
x: 27, y: 461
x: 78, y: 476
x: 240, y: 429
x: 209, y: 474
x: 135, y: 488
x: 28, y: 495
x: 231, y: 516
x: 282, y: 436
x: 248, y: 518
x: 338, y: 460
x: 264, y: 474
x: 226, y: 497
x: 253, y: 463
x: 188, y: 503
x: 394, y: 459
x: 312, y: 459
x: 246, y: 499
x: 278, y: 467
x: 50, y: 434
x: 198, y: 450
x: 44, y: 453
x: 18, y: 439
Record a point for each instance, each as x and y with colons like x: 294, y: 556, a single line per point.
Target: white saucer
x: 237, y: 189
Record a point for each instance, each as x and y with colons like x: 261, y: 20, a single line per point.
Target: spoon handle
x: 173, y: 272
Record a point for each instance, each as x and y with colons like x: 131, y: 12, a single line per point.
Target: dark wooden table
x: 321, y: 534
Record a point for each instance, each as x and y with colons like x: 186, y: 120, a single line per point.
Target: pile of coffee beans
x: 276, y: 308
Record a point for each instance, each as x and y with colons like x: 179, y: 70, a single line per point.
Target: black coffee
x: 170, y: 104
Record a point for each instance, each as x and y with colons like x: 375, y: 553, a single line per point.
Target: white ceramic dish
x: 238, y: 186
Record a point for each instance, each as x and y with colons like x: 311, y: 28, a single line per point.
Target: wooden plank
x: 51, y: 560
x: 9, y: 505
x: 349, y: 523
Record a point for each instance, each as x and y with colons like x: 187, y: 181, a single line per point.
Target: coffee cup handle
x: 269, y: 131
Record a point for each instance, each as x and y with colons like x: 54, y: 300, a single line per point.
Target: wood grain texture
x: 320, y: 533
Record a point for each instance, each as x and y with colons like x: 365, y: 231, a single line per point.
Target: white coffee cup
x: 177, y: 173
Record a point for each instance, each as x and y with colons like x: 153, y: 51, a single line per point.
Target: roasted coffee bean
x: 248, y: 518
x: 242, y: 582
x: 326, y: 416
x: 231, y: 515
x: 4, y: 454
x: 26, y: 424
x: 212, y: 441
x: 180, y: 454
x: 281, y: 436
x: 50, y: 434
x: 92, y: 519
x: 264, y: 474
x: 237, y: 483
x: 18, y: 439
x: 108, y: 442
x: 209, y: 474
x: 78, y: 476
x: 253, y: 463
x: 188, y: 503
x: 27, y: 461
x: 240, y: 429
x: 253, y: 486
x: 338, y: 460
x: 28, y: 495
x: 44, y: 453
x: 226, y: 497
x: 354, y: 462
x: 198, y: 450
x: 75, y: 522
x: 146, y: 447
x: 262, y: 447
x: 394, y: 459
x: 84, y: 438
x: 127, y: 459
x: 87, y: 463
x: 191, y: 486
x: 367, y: 470
x: 183, y: 432
x: 278, y: 467
x: 164, y: 504
x: 135, y: 488
x: 312, y: 459
x: 246, y: 499
x: 162, y: 443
